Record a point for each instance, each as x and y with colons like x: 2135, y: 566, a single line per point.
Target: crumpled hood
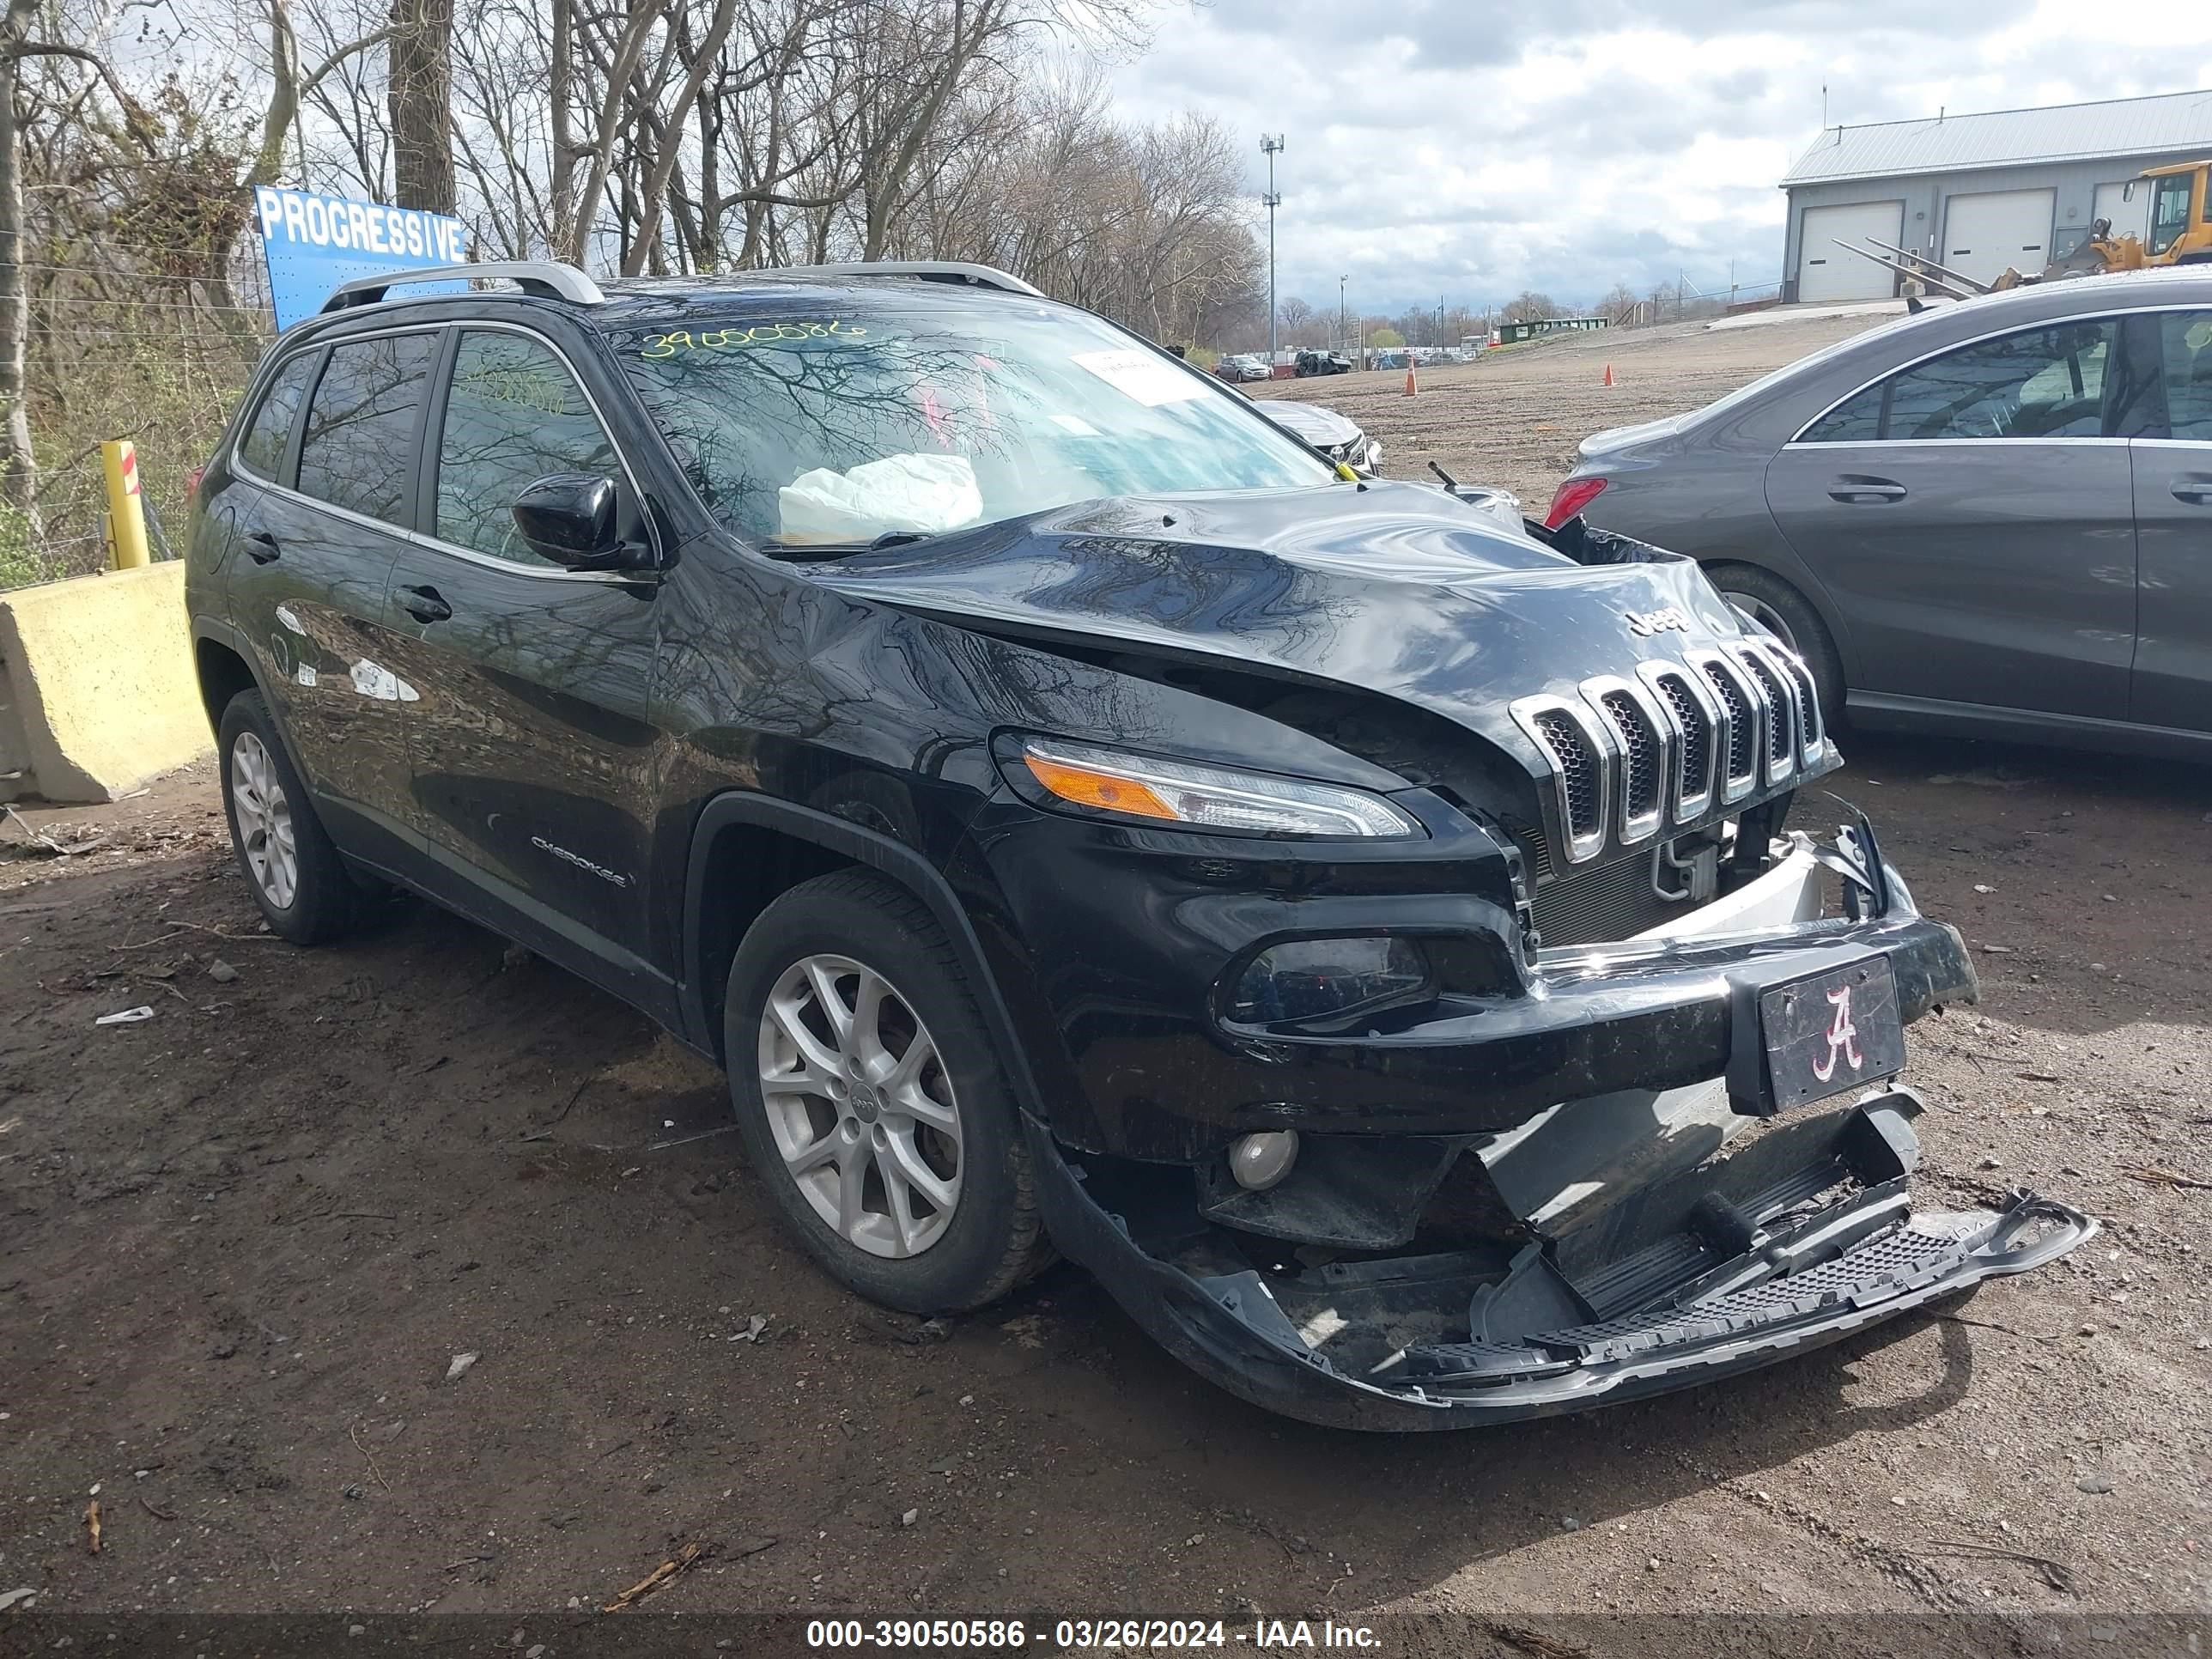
x: 1324, y: 428
x: 1393, y: 588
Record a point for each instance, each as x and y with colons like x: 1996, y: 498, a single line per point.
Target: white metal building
x: 1977, y: 192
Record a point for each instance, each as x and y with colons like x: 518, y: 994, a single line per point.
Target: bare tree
x: 421, y: 78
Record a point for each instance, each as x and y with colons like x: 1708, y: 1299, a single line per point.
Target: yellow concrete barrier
x: 97, y: 688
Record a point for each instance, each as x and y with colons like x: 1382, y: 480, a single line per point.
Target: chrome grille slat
x: 1812, y: 730
x: 1695, y: 718
x: 1777, y: 699
x: 1628, y: 755
x: 1742, y: 733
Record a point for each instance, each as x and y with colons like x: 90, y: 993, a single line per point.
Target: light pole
x: 1343, y: 337
x: 1271, y: 147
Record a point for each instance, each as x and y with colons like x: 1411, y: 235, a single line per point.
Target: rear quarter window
x: 268, y: 436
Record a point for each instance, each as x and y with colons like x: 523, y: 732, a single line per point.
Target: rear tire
x: 871, y: 1102
x: 1766, y: 601
x: 304, y: 890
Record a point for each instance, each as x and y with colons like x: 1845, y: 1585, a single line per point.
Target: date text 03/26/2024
x: 1109, y: 1634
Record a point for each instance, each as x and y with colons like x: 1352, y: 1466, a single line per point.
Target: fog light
x: 1259, y: 1161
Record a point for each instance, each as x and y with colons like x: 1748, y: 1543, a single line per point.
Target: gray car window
x: 514, y: 415
x: 358, y: 451
x: 2040, y: 383
x: 1855, y: 421
x: 2186, y: 354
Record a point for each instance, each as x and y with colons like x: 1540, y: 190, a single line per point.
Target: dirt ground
x: 1513, y: 418
x: 243, y: 1240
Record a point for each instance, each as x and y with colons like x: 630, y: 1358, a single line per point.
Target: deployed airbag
x: 929, y: 493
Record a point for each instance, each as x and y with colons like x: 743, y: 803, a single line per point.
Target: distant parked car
x: 1322, y: 362
x: 1337, y: 436
x: 1994, y: 518
x: 1242, y: 366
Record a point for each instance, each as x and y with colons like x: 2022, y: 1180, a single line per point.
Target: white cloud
x: 1465, y: 150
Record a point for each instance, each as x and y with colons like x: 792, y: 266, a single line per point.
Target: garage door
x: 1991, y: 231
x: 1826, y: 271
x: 2128, y: 218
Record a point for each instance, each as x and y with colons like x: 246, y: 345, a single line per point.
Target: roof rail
x: 929, y: 271
x: 544, y: 278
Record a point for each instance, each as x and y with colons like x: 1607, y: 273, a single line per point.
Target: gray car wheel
x: 1768, y: 603
x: 1760, y: 614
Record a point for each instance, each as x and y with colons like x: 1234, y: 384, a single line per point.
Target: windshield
x: 813, y: 428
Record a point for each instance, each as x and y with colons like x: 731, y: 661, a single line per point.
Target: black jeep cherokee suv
x: 1070, y: 810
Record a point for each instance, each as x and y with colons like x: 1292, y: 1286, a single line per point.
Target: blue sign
x: 315, y: 243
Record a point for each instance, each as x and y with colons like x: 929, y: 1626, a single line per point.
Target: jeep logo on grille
x: 1645, y: 623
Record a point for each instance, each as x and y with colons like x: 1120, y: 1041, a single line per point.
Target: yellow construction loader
x: 2180, y: 234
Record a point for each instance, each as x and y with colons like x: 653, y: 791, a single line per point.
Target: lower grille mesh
x: 1599, y: 903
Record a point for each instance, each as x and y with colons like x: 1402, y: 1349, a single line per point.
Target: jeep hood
x: 1387, y: 588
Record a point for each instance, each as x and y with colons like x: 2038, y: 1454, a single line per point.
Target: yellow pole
x: 118, y: 458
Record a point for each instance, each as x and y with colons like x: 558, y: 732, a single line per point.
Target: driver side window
x: 2040, y: 383
x: 513, y: 414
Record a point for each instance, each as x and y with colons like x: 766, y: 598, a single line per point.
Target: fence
x: 125, y: 343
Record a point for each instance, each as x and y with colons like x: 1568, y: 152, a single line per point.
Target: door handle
x: 1851, y: 489
x: 425, y: 605
x: 261, y: 547
x: 2198, y: 492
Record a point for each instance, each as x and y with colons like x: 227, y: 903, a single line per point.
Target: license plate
x: 1832, y: 1031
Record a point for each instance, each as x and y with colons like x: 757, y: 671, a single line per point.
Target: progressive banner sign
x: 315, y: 243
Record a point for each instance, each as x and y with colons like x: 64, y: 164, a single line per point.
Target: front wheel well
x: 747, y: 866
x: 223, y: 675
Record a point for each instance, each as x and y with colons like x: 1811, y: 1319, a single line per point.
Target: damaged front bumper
x: 1612, y: 1247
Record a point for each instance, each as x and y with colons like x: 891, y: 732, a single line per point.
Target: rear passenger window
x: 2186, y: 356
x: 269, y: 434
x: 514, y: 416
x: 358, y: 451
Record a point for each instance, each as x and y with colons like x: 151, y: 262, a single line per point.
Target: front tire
x: 870, y: 1102
x: 1766, y: 601
x: 291, y: 867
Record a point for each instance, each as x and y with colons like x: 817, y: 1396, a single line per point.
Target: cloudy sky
x: 1465, y: 149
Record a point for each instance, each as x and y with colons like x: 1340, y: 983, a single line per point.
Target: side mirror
x: 570, y: 518
x: 2128, y: 190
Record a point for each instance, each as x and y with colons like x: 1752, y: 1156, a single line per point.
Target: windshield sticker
x: 1075, y: 425
x: 737, y: 339
x: 1141, y: 376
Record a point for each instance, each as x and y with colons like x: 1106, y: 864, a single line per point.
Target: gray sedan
x: 1993, y: 519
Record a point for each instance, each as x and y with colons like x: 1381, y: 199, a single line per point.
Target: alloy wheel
x: 1761, y: 614
x: 263, y: 817
x: 860, y: 1106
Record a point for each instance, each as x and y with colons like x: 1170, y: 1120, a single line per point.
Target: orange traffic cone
x: 1608, y: 374
x: 1410, y: 389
